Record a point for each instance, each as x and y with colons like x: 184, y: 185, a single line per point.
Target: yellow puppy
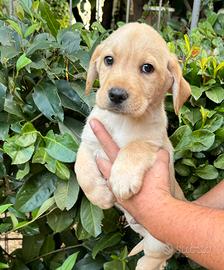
x: 135, y: 70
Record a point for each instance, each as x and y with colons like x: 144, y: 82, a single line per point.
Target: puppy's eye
x: 147, y: 68
x: 108, y: 60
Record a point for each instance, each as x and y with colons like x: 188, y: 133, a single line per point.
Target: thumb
x: 163, y: 156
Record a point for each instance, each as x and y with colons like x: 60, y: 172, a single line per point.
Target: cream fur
x: 138, y: 127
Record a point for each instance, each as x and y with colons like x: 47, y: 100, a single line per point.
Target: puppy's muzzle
x: 117, y: 95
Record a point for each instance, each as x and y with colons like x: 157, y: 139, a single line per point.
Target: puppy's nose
x: 117, y: 95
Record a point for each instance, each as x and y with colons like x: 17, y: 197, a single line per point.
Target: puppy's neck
x: 151, y: 126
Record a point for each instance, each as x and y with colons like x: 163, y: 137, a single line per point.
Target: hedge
x: 42, y: 112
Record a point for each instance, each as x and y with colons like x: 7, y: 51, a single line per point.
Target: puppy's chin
x: 135, y: 110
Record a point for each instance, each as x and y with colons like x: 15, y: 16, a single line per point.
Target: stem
x: 70, y: 12
x: 195, y: 13
x: 35, y: 118
x: 54, y: 251
x: 159, y: 16
x: 128, y: 10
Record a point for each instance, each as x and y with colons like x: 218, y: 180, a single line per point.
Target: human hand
x: 155, y: 191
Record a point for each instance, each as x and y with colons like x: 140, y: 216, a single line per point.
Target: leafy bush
x: 42, y: 112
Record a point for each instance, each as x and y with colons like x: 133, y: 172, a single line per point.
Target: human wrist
x: 159, y: 216
x: 150, y: 212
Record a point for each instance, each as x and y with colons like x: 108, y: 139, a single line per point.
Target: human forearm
x: 213, y: 198
x: 196, y: 231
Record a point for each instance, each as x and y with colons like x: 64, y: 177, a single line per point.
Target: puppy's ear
x: 180, y: 88
x: 92, y: 70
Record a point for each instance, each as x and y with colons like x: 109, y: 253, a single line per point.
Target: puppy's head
x: 135, y: 70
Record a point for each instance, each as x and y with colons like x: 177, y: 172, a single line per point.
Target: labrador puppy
x: 135, y: 70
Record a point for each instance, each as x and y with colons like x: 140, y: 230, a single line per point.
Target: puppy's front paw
x: 126, y: 181
x: 129, y: 168
x: 101, y: 196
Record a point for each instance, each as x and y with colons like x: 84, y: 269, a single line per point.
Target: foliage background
x: 42, y: 111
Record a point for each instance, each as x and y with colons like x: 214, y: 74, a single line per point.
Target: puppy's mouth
x: 132, y: 110
x: 118, y: 108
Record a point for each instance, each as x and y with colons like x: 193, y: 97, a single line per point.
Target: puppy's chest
x: 122, y: 129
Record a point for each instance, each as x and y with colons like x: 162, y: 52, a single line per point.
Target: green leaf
x: 34, y: 241
x: 8, y: 53
x: 44, y: 208
x: 189, y: 162
x: 12, y: 107
x: 187, y: 43
x: 4, y: 207
x: 18, y: 155
x: 3, y: 89
x: 49, y: 17
x: 192, y: 116
x: 81, y: 233
x: 4, y: 130
x: 207, y: 172
x: 5, y: 36
x: 15, y: 26
x: 5, y: 227
x: 31, y: 29
x: 106, y: 241
x: 23, y: 172
x: 215, y: 94
x: 3, y: 265
x: 116, y: 264
x: 73, y: 127
x: 181, y: 137
x: 46, y: 98
x: 14, y: 219
x: 69, y: 262
x: 219, y: 162
x: 59, y: 221
x: 70, y: 99
x: 27, y: 5
x: 22, y: 62
x: 201, y: 140
x: 62, y: 171
x: 91, y: 217
x: 220, y: 133
x: 48, y: 245
x: 87, y: 263
x: 69, y: 41
x: 19, y: 12
x: 35, y: 192
x: 61, y: 147
x: 66, y: 193
x: 214, y: 123
x: 38, y: 45
x: 182, y: 169
x: 79, y: 87
x: 83, y: 57
x: 196, y: 92
x: 28, y: 135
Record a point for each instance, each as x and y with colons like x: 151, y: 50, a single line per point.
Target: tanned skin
x: 196, y: 228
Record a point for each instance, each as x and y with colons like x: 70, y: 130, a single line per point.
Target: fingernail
x: 92, y: 123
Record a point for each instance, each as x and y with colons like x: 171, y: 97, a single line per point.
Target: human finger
x: 109, y: 146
